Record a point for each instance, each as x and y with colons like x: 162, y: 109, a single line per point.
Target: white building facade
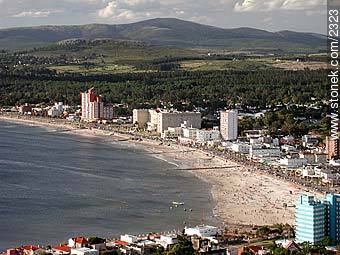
x: 228, y: 125
x: 91, y: 106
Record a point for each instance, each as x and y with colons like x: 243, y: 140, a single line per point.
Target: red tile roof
x: 63, y: 248
x: 120, y: 242
x: 255, y: 248
x: 30, y: 247
x: 80, y: 240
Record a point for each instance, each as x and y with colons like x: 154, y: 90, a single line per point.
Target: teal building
x: 310, y: 219
x: 332, y: 204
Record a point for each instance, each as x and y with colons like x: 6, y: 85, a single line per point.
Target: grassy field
x: 117, y: 52
x: 209, y: 65
x: 122, y: 57
x: 98, y: 69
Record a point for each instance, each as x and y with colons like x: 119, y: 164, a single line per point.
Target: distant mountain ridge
x: 163, y: 31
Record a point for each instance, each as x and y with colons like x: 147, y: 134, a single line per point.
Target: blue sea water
x: 54, y: 186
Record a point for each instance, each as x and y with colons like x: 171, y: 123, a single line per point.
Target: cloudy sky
x: 273, y: 15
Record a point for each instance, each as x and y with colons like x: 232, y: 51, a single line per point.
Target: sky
x: 272, y: 15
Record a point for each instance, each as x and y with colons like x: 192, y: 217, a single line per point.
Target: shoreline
x: 241, y: 195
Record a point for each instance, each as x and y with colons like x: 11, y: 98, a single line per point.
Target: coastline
x: 242, y: 196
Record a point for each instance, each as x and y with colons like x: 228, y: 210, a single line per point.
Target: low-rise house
x: 128, y: 238
x: 310, y: 141
x: 252, y: 249
x: 291, y: 162
x: 291, y: 246
x: 30, y: 249
x: 97, y: 243
x: 287, y: 140
x: 208, y: 135
x: 320, y: 158
x: 13, y: 252
x: 201, y: 231
x: 77, y: 242
x: 25, y: 109
x: 260, y: 153
x: 171, y: 133
x: 84, y: 251
x: 57, y: 110
x: 310, y: 158
x: 288, y: 148
x: 240, y: 148
x: 207, y: 246
x: 190, y: 133
x: 167, y: 241
x: 62, y: 249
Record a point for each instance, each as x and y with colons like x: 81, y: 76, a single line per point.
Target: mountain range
x: 167, y: 32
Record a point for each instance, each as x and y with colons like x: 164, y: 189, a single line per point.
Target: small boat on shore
x: 177, y: 203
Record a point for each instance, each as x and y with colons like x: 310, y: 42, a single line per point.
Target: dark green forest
x: 183, y: 89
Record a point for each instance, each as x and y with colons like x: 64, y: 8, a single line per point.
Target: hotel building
x: 310, y: 220
x: 332, y: 202
x: 168, y: 119
x: 316, y: 219
x: 159, y: 120
x: 332, y: 148
x: 91, y: 106
x: 228, y: 125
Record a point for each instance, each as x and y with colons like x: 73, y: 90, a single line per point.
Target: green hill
x: 165, y: 31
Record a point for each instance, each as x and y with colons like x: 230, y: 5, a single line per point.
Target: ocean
x: 54, y: 186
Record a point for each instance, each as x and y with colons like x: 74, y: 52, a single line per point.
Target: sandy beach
x: 243, y: 196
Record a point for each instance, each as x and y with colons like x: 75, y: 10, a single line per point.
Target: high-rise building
x: 228, y: 125
x: 160, y: 120
x: 91, y: 106
x: 140, y: 117
x: 332, y: 203
x: 332, y: 148
x: 173, y: 119
x: 310, y: 219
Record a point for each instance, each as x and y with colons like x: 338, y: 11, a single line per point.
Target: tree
x: 183, y: 247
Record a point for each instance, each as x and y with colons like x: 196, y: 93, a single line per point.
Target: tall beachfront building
x: 310, y: 219
x: 332, y: 148
x: 228, y: 125
x: 332, y: 205
x: 91, y: 106
x: 160, y: 120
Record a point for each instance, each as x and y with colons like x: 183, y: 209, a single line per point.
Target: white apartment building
x: 190, y: 133
x: 293, y: 162
x: 172, y: 133
x: 161, y: 120
x: 257, y: 153
x: 56, y: 110
x: 208, y: 135
x: 91, y: 106
x: 240, y: 148
x: 140, y: 117
x: 108, y: 112
x: 128, y: 238
x: 168, y: 119
x: 228, y: 125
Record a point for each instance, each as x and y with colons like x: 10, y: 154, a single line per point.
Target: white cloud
x: 138, y: 2
x: 303, y: 5
x: 128, y: 10
x: 271, y: 5
x: 32, y: 14
x: 109, y: 10
x: 126, y: 14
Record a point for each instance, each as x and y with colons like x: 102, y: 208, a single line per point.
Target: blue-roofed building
x: 332, y: 203
x: 310, y: 219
